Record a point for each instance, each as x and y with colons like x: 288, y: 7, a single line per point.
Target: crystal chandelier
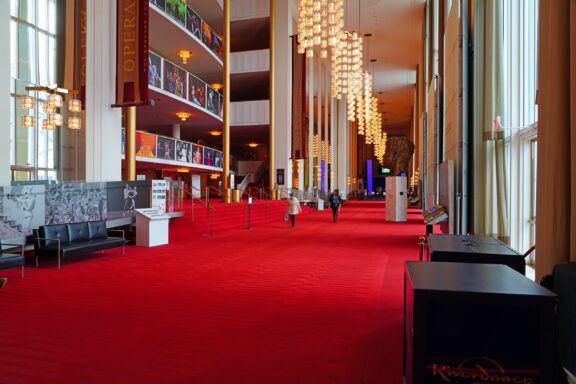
x: 346, y: 66
x: 319, y: 25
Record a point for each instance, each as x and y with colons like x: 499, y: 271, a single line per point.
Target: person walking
x: 335, y: 202
x: 293, y: 207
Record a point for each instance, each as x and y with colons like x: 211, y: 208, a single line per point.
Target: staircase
x: 232, y: 216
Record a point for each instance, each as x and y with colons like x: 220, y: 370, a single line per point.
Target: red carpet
x: 320, y: 303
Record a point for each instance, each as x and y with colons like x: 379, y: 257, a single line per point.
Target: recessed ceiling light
x: 184, y: 54
x: 183, y: 115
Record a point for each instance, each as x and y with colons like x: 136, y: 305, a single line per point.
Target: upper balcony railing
x: 167, y: 150
x: 186, y: 17
x: 168, y: 77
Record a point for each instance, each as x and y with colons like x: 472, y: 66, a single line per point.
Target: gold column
x: 271, y: 170
x: 130, y: 156
x: 226, y: 117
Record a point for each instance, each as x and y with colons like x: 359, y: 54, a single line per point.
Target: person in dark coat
x: 335, y: 202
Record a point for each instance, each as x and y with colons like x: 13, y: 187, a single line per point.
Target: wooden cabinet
x: 476, y: 323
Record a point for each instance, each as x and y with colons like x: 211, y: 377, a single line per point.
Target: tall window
x: 34, y: 151
x: 520, y: 116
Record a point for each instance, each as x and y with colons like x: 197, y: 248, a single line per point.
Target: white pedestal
x: 320, y: 205
x: 396, y: 198
x: 151, y: 228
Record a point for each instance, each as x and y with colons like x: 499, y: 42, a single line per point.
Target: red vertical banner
x: 132, y: 53
x: 298, y: 102
x: 80, y: 29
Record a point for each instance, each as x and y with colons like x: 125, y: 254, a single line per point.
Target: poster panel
x: 221, y: 109
x: 132, y: 52
x: 218, y: 159
x: 161, y: 4
x: 75, y: 202
x: 198, y: 154
x: 193, y: 23
x: 166, y: 148
x: 177, y: 10
x: 208, y: 156
x: 145, y: 144
x: 184, y: 151
x: 207, y: 35
x: 197, y: 91
x: 21, y: 210
x: 217, y: 45
x: 154, y: 70
x: 213, y: 101
x: 174, y: 79
x: 122, y: 197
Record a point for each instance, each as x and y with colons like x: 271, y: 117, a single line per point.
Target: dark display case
x: 474, y: 249
x: 476, y: 323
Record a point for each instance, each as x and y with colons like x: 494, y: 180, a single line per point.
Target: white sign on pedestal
x: 159, y: 195
x: 151, y: 227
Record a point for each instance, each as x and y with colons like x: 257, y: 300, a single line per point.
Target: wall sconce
x: 47, y: 108
x: 74, y: 105
x: 55, y: 101
x: 47, y: 126
x: 56, y: 119
x: 215, y: 133
x: 183, y: 115
x: 253, y: 145
x: 184, y: 55
x: 27, y: 102
x: 28, y: 121
x: 74, y: 123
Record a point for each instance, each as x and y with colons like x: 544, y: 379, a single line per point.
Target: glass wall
x: 34, y: 151
x: 520, y: 116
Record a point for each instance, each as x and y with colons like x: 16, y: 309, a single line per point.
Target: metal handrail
x: 208, y: 189
x: 261, y: 192
x: 192, y: 188
x: 210, y: 223
x: 210, y: 215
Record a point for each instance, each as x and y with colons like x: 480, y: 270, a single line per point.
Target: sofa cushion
x: 56, y: 231
x: 92, y: 246
x: 78, y: 232
x: 11, y: 260
x: 97, y: 230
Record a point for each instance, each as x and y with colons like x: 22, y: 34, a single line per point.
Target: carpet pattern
x: 319, y: 303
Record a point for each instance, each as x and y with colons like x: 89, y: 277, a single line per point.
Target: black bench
x: 11, y: 260
x: 64, y: 240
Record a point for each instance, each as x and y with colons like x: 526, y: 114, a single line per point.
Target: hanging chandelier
x: 346, y: 65
x: 319, y: 25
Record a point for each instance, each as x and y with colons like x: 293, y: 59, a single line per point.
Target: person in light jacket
x: 293, y: 207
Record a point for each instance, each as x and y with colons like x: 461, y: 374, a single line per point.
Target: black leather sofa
x: 64, y: 240
x: 11, y: 260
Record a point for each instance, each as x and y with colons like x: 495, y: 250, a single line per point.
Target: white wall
x: 5, y: 176
x: 283, y: 90
x: 250, y: 61
x: 103, y: 123
x: 250, y: 9
x: 250, y: 113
